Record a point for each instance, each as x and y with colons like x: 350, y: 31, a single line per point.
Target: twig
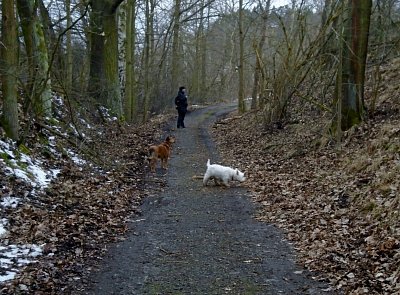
x: 314, y: 102
x: 93, y: 156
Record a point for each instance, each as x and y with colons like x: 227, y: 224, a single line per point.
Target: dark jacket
x: 181, y: 102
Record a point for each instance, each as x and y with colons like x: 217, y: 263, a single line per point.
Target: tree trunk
x: 203, y: 63
x: 113, y: 90
x: 147, y: 62
x: 69, y: 58
x: 196, y: 84
x: 325, y: 13
x: 130, y: 86
x: 175, y: 75
x: 50, y: 37
x: 96, y: 37
x: 241, y: 105
x: 257, y: 71
x: 104, y: 83
x: 355, y: 43
x: 9, y: 70
x: 39, y: 83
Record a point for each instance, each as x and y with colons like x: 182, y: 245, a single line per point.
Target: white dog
x: 222, y: 173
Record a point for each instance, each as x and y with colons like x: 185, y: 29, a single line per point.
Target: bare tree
x: 198, y: 76
x: 241, y: 105
x: 130, y: 102
x: 69, y: 56
x: 39, y: 85
x: 175, y: 54
x: 104, y: 80
x: 258, y: 84
x: 351, y: 77
x: 9, y: 69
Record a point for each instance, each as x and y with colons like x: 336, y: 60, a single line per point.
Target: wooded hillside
x: 131, y: 56
x: 316, y: 84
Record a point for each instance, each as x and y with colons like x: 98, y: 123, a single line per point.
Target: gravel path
x: 192, y: 239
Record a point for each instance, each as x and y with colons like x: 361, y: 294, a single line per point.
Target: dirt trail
x: 195, y: 240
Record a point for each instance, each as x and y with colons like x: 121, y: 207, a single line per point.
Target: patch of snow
x: 43, y: 178
x: 58, y: 99
x: 9, y: 275
x: 106, y: 114
x: 5, y: 148
x: 27, y: 169
x: 14, y: 257
x: 88, y: 126
x: 18, y: 173
x: 10, y: 202
x: 73, y: 128
x: 13, y: 162
x: 3, y: 223
x: 52, y: 140
x: 75, y: 158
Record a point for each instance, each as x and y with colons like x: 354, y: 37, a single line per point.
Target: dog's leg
x: 217, y: 181
x: 153, y: 164
x: 205, y: 179
x: 225, y: 182
x: 164, y: 163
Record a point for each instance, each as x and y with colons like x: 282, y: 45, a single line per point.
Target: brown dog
x: 162, y: 152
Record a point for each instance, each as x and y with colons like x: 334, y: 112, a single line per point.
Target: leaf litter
x: 56, y: 219
x: 338, y: 203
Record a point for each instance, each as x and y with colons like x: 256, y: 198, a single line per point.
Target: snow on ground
x: 8, y: 201
x: 74, y: 157
x: 13, y: 257
x: 24, y: 167
x: 17, y: 162
x: 14, y: 162
x: 3, y: 223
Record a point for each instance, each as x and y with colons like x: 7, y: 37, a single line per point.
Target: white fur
x: 222, y: 173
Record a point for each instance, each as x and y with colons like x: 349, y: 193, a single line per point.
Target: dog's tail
x: 208, y: 162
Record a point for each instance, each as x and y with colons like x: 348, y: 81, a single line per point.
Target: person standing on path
x: 181, y: 106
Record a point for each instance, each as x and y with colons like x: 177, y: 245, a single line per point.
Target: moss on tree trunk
x: 353, y: 59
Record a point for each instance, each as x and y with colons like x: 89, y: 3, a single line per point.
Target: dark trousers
x: 181, y: 117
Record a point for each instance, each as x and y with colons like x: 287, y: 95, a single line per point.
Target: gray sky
x: 278, y: 3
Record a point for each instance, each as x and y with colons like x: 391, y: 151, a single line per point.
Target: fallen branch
x: 228, y: 120
x: 91, y: 155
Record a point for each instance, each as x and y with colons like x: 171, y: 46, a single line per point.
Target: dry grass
x: 339, y: 205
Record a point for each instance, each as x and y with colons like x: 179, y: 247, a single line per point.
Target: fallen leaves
x: 340, y: 207
x: 87, y: 207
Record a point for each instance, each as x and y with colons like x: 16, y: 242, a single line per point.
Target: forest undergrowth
x: 338, y: 203
x: 98, y: 189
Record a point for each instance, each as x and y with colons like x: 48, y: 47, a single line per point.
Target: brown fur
x: 162, y: 152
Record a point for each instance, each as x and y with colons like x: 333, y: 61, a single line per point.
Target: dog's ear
x: 237, y: 172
